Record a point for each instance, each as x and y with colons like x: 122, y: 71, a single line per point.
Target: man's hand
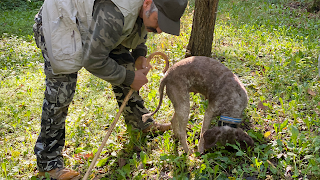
x: 141, y: 63
x: 140, y: 78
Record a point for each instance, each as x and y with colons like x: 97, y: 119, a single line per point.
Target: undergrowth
x: 272, y: 45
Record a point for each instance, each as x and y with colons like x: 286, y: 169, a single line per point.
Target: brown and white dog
x: 226, y: 96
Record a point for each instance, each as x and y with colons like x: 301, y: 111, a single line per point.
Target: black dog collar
x: 222, y: 123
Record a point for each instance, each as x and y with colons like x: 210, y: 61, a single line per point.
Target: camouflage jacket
x: 79, y: 34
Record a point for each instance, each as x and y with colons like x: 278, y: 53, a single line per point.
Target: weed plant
x: 272, y: 45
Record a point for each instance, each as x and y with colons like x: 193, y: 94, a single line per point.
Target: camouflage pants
x: 58, y: 95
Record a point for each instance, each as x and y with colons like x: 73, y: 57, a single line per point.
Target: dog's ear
x: 211, y: 137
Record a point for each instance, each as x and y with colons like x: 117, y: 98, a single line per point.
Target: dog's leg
x: 209, y: 114
x: 185, y: 110
x: 180, y: 122
x: 175, y: 126
x: 181, y: 103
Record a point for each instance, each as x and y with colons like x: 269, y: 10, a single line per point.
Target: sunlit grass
x: 271, y: 45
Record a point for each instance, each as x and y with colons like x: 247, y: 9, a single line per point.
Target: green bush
x: 21, y: 4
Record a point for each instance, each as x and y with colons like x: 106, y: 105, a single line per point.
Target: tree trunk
x: 204, y: 19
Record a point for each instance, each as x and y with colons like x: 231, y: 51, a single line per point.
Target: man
x: 97, y: 35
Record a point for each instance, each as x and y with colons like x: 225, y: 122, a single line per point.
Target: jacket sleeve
x: 140, y: 50
x: 104, y: 32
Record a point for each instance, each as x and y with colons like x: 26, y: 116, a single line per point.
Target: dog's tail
x: 145, y: 117
x: 163, y: 55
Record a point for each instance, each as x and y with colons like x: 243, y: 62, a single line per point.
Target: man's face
x: 150, y: 20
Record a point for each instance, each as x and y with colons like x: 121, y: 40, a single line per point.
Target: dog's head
x: 225, y: 134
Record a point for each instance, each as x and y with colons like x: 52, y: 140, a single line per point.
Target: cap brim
x: 167, y: 25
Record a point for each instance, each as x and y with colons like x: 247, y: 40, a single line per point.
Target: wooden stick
x: 108, y: 134
x: 164, y: 56
x: 119, y: 113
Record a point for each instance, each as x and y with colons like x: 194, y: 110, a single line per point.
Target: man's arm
x: 104, y: 32
x: 139, y: 55
x: 140, y: 50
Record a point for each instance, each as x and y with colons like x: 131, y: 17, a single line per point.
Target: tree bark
x: 204, y: 19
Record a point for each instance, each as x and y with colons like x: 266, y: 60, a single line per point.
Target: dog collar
x: 229, y: 121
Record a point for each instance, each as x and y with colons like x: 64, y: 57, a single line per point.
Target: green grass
x: 272, y: 45
x: 17, y: 22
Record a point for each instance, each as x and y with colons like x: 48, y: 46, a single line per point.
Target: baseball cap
x: 169, y: 14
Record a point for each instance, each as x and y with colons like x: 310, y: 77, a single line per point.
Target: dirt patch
x: 304, y: 6
x: 298, y: 5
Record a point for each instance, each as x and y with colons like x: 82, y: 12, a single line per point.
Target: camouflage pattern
x: 105, y: 33
x: 134, y: 110
x: 58, y: 95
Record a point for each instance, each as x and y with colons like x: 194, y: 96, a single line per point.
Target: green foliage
x: 20, y: 4
x: 272, y: 46
x: 17, y: 18
x: 17, y: 23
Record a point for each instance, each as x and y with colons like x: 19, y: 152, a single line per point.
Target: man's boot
x: 61, y: 174
x: 157, y: 127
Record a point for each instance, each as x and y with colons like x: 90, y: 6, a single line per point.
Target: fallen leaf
x: 122, y: 162
x: 267, y: 134
x: 140, y: 166
x: 288, y: 171
x: 88, y: 155
x: 312, y: 93
x: 77, y: 157
x: 279, y: 155
x: 261, y: 106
